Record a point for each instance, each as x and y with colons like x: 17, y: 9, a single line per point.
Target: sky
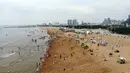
x: 24, y: 12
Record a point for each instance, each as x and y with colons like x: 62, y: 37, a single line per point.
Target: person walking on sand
x: 60, y: 56
x: 98, y: 44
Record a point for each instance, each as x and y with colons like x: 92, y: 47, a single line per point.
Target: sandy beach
x: 65, y: 55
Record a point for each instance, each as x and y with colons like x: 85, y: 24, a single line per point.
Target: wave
x: 6, y: 55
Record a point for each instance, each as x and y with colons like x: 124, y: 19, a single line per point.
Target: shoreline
x: 47, y: 54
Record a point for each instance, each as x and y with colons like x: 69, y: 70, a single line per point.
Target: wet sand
x: 67, y: 56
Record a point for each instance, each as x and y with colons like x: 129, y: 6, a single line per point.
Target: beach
x: 52, y: 50
x: 65, y: 54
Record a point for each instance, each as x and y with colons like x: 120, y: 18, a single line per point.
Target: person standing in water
x: 6, y: 34
x: 32, y: 40
x: 12, y: 51
x: 19, y: 53
x: 38, y: 47
x: 19, y: 48
x: 1, y: 48
x: 35, y: 40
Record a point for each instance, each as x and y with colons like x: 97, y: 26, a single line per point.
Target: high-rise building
x: 84, y: 23
x: 50, y: 24
x: 77, y: 22
x: 107, y: 21
x: 43, y: 24
x: 69, y: 22
x: 128, y: 20
x: 117, y: 22
x: 128, y: 16
x: 74, y: 22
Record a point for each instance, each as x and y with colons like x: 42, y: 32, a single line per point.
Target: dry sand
x: 67, y: 56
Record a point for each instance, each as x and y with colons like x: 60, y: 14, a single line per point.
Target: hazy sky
x: 19, y: 12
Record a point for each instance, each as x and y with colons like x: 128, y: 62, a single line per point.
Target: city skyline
x: 19, y: 12
x: 77, y: 22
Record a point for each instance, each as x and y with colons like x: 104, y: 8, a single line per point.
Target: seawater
x: 25, y: 58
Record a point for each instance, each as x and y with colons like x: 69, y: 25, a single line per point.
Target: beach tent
x: 88, y: 32
x: 78, y: 39
x: 103, y: 43
x: 93, y: 41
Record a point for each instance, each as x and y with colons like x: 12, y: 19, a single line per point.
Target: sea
x: 19, y: 53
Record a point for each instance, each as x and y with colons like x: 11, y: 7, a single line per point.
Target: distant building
x: 84, y: 23
x: 56, y: 23
x: 109, y: 21
x: 128, y: 16
x: 50, y: 24
x: 127, y: 22
x: 44, y: 24
x: 69, y: 22
x: 77, y: 23
x: 72, y: 22
x: 117, y: 22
